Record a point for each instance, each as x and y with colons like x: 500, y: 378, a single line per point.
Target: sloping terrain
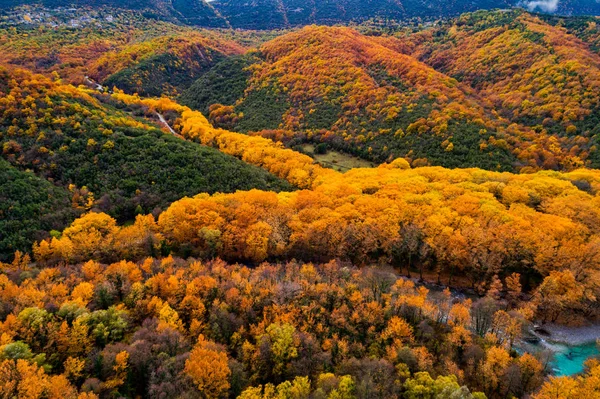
x: 363, y: 95
x: 132, y: 53
x: 499, y: 90
x: 102, y: 157
x: 194, y: 12
x: 268, y: 14
x: 276, y: 14
x: 162, y: 66
x: 531, y: 73
x: 224, y: 84
x: 168, y: 256
x: 585, y: 28
x: 562, y: 7
x: 30, y: 207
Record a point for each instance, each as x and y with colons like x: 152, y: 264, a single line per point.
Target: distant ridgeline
x: 193, y: 12
x: 269, y: 14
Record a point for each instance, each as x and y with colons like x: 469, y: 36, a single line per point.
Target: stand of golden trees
x: 461, y: 226
x: 106, y: 311
x: 183, y: 328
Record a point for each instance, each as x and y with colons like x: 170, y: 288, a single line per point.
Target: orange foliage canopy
x: 464, y: 221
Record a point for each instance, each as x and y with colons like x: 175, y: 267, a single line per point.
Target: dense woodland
x: 422, y: 95
x: 30, y: 208
x: 446, y: 95
x: 527, y: 243
x: 161, y: 238
x: 175, y: 328
x: 100, y: 158
x: 465, y: 222
x: 150, y: 59
x: 269, y: 14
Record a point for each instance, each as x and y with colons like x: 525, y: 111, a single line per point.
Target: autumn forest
x: 387, y: 208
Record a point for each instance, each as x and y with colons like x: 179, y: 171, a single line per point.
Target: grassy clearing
x: 337, y: 160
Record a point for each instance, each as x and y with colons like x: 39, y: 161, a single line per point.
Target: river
x: 570, y: 346
x: 569, y: 360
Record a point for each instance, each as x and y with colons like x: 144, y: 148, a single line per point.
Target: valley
x: 273, y: 200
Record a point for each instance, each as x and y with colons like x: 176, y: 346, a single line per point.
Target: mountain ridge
x: 276, y: 14
x: 430, y: 96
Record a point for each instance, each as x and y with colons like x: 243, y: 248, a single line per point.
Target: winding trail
x: 161, y: 118
x: 93, y: 83
x: 166, y: 124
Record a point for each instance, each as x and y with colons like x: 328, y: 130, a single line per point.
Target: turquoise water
x: 568, y: 360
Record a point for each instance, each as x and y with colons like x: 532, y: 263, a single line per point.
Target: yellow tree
x: 494, y: 367
x: 209, y: 369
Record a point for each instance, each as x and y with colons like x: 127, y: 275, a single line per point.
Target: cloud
x: 542, y: 5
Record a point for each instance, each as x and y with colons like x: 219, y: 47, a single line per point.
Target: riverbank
x: 570, y: 346
x: 573, y: 336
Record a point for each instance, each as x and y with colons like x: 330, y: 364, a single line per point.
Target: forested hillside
x: 274, y: 14
x: 163, y: 233
x: 363, y: 95
x: 30, y: 207
x: 497, y: 90
x: 149, y: 58
x: 533, y: 74
x: 161, y: 66
x: 528, y: 243
x: 269, y: 14
x: 585, y: 28
x: 102, y: 157
x: 475, y: 223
